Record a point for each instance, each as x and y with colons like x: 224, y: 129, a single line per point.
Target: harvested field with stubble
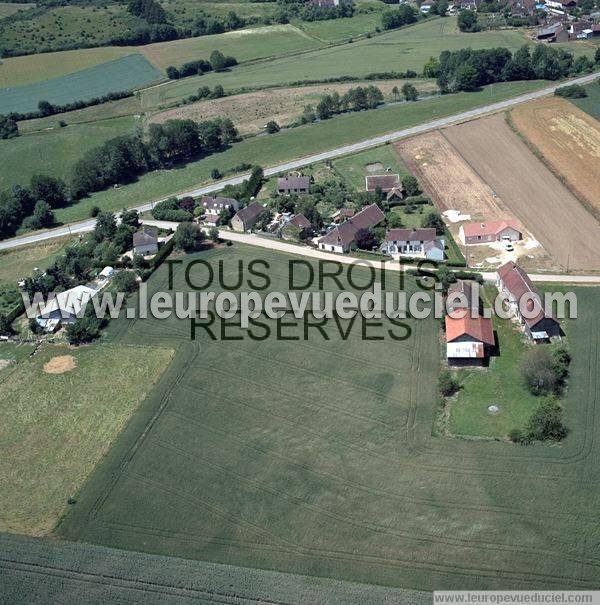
x: 251, y: 111
x: 530, y: 191
x: 568, y: 139
x: 316, y: 456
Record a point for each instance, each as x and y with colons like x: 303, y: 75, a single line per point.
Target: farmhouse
x: 64, y: 308
x: 413, y: 242
x: 463, y: 294
x: 246, y: 217
x: 145, y: 241
x: 296, y: 228
x: 385, y: 182
x: 299, y: 185
x: 341, y: 237
x: 494, y: 231
x: 525, y: 301
x: 469, y: 340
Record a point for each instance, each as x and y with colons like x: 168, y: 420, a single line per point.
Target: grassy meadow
x: 54, y: 152
x: 126, y: 73
x: 290, y: 144
x: 51, y: 438
x: 316, y: 456
x: 399, y: 50
x: 18, y: 263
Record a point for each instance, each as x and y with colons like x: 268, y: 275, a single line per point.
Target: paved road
x: 300, y: 250
x: 88, y: 225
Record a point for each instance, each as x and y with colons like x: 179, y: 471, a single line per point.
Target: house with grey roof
x: 298, y: 185
x: 246, y: 217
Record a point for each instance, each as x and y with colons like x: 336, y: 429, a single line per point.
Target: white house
x: 420, y: 243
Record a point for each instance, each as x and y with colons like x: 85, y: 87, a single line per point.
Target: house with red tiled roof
x: 342, y: 236
x: 493, y: 231
x: 525, y: 301
x: 469, y: 340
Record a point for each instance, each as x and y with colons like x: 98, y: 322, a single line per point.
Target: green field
x: 16, y: 71
x: 407, y: 48
x: 342, y: 29
x: 18, y: 263
x: 54, y: 152
x: 9, y: 8
x: 75, y: 573
x: 289, y: 144
x: 500, y: 384
x: 56, y: 427
x: 245, y: 45
x: 354, y: 168
x: 591, y: 103
x: 317, y: 457
x: 118, y: 75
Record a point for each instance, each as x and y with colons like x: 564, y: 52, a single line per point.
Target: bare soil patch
x: 60, y: 364
x: 568, y: 139
x: 530, y: 191
x: 251, y: 111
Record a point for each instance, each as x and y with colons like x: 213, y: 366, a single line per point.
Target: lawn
x: 354, y: 168
x: 407, y: 48
x: 591, y: 103
x: 56, y: 427
x: 500, y: 384
x: 342, y: 29
x: 54, y: 152
x: 126, y: 73
x: 317, y: 457
x: 289, y: 144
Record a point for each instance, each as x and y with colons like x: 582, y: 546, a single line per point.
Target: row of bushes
x: 217, y: 62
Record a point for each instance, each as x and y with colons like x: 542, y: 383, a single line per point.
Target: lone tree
x: 188, y: 237
x: 213, y: 233
x: 539, y: 372
x: 366, y: 239
x: 410, y: 185
x: 434, y: 221
x: 546, y: 423
x: 409, y: 92
x: 9, y: 128
x: 272, y: 127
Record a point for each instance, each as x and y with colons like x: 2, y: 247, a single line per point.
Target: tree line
x: 355, y: 99
x: 467, y: 69
x: 117, y: 161
x: 216, y: 62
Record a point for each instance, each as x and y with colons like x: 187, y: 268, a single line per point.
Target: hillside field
x: 399, y: 50
x: 316, y: 456
x: 55, y: 151
x: 126, y: 73
x: 51, y: 439
x: 591, y: 103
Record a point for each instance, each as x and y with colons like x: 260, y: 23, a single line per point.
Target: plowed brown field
x: 530, y: 191
x: 569, y: 140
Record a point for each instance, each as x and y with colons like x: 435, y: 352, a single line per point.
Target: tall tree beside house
x: 106, y: 226
x: 188, y: 237
x: 410, y: 185
x: 434, y: 221
x: 366, y: 239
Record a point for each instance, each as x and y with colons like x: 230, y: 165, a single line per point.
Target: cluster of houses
x: 560, y: 28
x: 470, y: 336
